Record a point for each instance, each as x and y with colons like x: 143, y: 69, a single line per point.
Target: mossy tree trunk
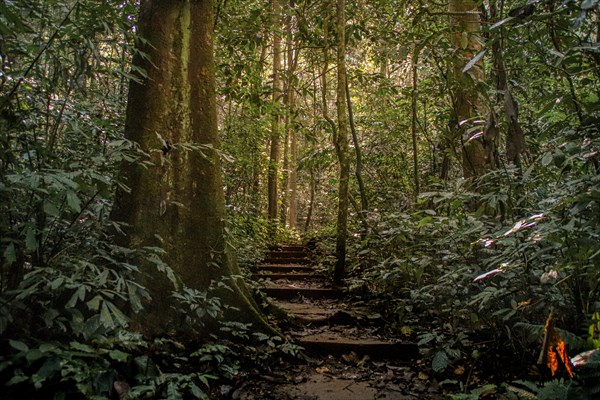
x: 177, y: 201
x: 477, y: 151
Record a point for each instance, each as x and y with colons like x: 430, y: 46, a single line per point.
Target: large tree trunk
x: 273, y: 175
x: 465, y: 28
x: 341, y: 144
x: 177, y: 201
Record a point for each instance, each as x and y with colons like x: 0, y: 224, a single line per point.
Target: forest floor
x: 347, y: 356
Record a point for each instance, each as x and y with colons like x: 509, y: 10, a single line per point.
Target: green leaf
x: 172, y: 392
x: 73, y: 201
x: 547, y: 159
x: 51, y: 209
x: 10, y: 255
x: 94, y: 304
x: 105, y: 317
x: 56, y: 283
x: 134, y: 299
x: 78, y: 295
x: 16, y: 380
x: 31, y: 243
x: 198, y: 393
x: 118, y: 355
x: 440, y: 361
x: 117, y: 314
x: 82, y: 347
x: 18, y: 345
x: 34, y: 355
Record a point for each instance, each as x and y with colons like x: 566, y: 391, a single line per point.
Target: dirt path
x: 347, y: 356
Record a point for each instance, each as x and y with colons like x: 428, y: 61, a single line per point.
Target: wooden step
x: 285, y: 268
x: 287, y: 254
x: 289, y: 248
x: 332, y: 343
x: 290, y: 276
x: 286, y: 260
x: 289, y: 293
x: 310, y: 313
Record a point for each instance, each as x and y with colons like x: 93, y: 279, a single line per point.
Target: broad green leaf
x: 440, y: 361
x: 73, y: 201
x: 16, y: 380
x: 78, y: 295
x: 134, y: 299
x: 105, y: 317
x: 82, y: 347
x: 117, y: 314
x: 547, y: 159
x: 51, y: 209
x: 94, y: 304
x: 56, y: 283
x: 31, y: 243
x: 34, y: 355
x: 118, y: 355
x: 18, y: 345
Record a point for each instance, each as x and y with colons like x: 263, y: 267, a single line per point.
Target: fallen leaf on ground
x: 459, y: 370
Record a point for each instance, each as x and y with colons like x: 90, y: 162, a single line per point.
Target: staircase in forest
x: 322, y: 322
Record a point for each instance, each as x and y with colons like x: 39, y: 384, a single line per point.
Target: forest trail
x: 347, y: 356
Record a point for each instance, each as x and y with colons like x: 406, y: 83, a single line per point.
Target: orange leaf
x: 556, y: 348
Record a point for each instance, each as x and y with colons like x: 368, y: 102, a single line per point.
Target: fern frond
x: 533, y: 333
x: 522, y: 393
x: 529, y: 385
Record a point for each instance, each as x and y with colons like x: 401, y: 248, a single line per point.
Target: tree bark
x: 515, y: 137
x: 413, y: 128
x: 176, y: 199
x: 273, y: 175
x: 341, y: 145
x: 465, y: 28
x: 364, y: 204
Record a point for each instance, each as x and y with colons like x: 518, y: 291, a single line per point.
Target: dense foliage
x: 478, y: 263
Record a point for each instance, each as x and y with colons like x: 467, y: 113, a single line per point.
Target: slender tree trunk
x: 311, y: 201
x: 341, y: 145
x: 273, y: 175
x: 364, y: 204
x: 413, y: 128
x: 293, y: 53
x: 177, y: 201
x: 515, y: 137
x: 324, y: 87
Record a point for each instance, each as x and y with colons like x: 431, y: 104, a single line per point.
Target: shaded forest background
x: 466, y: 133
